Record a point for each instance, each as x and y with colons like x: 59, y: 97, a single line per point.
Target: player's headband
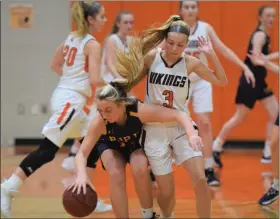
x: 179, y: 29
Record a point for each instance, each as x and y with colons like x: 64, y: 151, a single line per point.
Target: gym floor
x: 243, y: 180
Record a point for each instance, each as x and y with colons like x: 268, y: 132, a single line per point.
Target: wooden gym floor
x: 243, y: 179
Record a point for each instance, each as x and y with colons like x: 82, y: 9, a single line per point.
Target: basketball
x: 80, y: 205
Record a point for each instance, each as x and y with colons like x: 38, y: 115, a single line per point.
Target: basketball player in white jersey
x: 77, y: 61
x: 169, y: 85
x: 201, y: 90
x: 118, y: 39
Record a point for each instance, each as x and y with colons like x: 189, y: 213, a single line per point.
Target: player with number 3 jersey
x: 168, y: 84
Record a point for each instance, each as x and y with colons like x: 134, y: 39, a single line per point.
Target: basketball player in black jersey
x: 273, y: 193
x: 247, y: 95
x: 115, y: 131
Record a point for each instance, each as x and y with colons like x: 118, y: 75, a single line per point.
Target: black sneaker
x: 155, y: 215
x: 217, y: 159
x: 212, y: 180
x: 269, y: 197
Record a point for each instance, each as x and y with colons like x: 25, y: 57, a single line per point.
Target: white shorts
x: 159, y: 141
x: 68, y: 119
x: 201, y: 96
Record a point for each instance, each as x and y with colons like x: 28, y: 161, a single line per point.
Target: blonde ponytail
x: 130, y: 65
x: 79, y: 17
x: 80, y: 12
x: 154, y: 36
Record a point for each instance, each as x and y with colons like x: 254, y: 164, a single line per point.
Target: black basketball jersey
x: 259, y: 71
x: 126, y: 135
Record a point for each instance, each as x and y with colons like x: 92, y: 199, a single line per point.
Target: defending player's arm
x: 96, y: 129
x: 217, y: 77
x: 93, y: 51
x: 260, y: 59
x: 230, y: 55
x: 154, y: 113
x: 58, y: 60
x: 272, y: 67
x: 272, y: 56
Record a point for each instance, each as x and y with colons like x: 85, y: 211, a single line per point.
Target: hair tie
x: 178, y: 18
x: 118, y: 88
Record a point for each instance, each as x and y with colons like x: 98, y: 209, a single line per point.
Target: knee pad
x: 44, y: 154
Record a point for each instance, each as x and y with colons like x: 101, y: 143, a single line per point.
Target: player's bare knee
x: 139, y: 166
x: 117, y: 175
x: 238, y: 119
x: 140, y: 171
x: 168, y: 193
x: 204, y: 125
x: 201, y: 186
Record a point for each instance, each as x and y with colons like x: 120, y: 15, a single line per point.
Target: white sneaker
x: 102, y: 207
x: 6, y: 202
x: 69, y: 164
x: 266, y: 158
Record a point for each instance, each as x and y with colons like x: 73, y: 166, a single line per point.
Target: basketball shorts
x: 201, y: 96
x: 159, y: 141
x: 248, y: 95
x: 68, y: 119
x: 125, y: 151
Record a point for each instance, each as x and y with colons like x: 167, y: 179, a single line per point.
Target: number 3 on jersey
x: 169, y: 98
x: 70, y: 54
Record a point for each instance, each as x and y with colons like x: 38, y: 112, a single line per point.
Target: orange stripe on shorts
x: 62, y: 115
x: 86, y: 110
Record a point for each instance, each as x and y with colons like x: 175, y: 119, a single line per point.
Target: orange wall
x: 233, y: 22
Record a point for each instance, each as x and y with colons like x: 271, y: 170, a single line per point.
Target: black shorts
x: 248, y: 95
x: 124, y: 151
x: 277, y: 120
x: 94, y: 154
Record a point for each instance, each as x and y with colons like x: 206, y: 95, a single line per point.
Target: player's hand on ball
x: 80, y: 184
x: 196, y: 143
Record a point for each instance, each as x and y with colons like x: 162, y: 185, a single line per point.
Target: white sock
x: 275, y: 184
x: 147, y: 213
x: 13, y: 183
x: 218, y: 145
x: 171, y: 216
x: 208, y: 162
x: 74, y: 149
x: 267, y: 150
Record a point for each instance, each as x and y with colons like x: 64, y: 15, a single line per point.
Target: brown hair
x: 261, y: 10
x: 115, y: 28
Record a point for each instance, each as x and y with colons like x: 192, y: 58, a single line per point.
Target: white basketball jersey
x: 107, y: 75
x: 75, y: 74
x: 192, y: 47
x: 168, y: 86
